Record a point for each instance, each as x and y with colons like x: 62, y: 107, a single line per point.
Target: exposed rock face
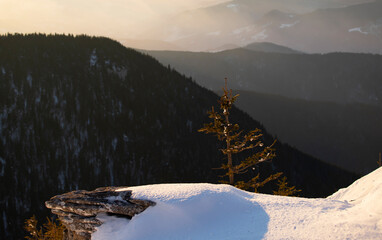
x: 78, y: 209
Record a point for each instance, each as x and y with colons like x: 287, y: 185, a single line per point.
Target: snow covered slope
x: 366, y: 195
x: 208, y: 211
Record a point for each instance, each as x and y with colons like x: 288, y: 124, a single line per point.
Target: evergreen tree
x: 284, y: 189
x: 49, y: 231
x: 236, y: 142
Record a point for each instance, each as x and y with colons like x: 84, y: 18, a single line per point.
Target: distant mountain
x: 269, y: 47
x: 82, y: 112
x: 334, y: 77
x: 223, y: 48
x: 292, y: 6
x: 149, y: 44
x: 258, y: 47
x: 327, y: 105
x: 345, y: 135
x: 307, y: 26
x: 355, y: 28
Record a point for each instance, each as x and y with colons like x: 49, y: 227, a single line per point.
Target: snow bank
x: 192, y: 211
x: 209, y: 211
x: 365, y: 194
x: 365, y: 190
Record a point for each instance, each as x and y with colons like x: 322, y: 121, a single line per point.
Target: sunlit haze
x: 112, y: 18
x: 206, y: 25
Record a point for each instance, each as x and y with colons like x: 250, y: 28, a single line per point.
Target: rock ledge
x: 77, y: 210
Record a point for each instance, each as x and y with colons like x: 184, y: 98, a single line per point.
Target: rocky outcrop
x: 77, y: 210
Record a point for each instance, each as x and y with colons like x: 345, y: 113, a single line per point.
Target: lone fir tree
x: 236, y: 142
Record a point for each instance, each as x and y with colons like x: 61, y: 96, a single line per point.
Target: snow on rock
x: 209, y: 211
x: 260, y: 36
x: 243, y: 30
x: 81, y: 211
x: 2, y: 166
x: 231, y: 5
x: 288, y: 25
x: 358, y: 29
x: 93, y: 58
x: 29, y: 79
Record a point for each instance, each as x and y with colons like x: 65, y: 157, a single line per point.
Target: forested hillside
x: 82, y: 112
x: 347, y: 135
x: 298, y: 94
x: 335, y: 77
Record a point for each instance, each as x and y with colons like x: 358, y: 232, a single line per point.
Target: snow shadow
x: 209, y: 215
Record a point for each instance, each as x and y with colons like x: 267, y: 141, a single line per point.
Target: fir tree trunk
x: 231, y: 179
x: 229, y: 154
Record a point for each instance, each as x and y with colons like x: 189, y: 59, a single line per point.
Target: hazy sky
x: 113, y: 18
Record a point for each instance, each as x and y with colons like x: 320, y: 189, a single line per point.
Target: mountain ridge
x: 298, y: 75
x: 83, y: 112
x: 349, y: 80
x: 346, y: 135
x: 303, y: 26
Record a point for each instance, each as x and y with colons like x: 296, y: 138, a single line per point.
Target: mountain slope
x: 269, y: 47
x: 345, y: 135
x: 336, y: 77
x: 153, y: 44
x: 355, y: 28
x: 349, y: 81
x: 82, y: 112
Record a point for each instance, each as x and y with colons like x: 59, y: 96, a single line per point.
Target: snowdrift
x: 209, y: 211
x: 366, y: 196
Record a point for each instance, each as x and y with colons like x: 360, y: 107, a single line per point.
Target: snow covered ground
x: 209, y: 211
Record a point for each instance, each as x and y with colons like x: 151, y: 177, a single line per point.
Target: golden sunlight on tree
x: 236, y: 142
x: 284, y: 189
x: 49, y: 231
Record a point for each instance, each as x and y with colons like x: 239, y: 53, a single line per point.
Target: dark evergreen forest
x: 83, y: 112
x: 302, y: 93
x: 347, y: 135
